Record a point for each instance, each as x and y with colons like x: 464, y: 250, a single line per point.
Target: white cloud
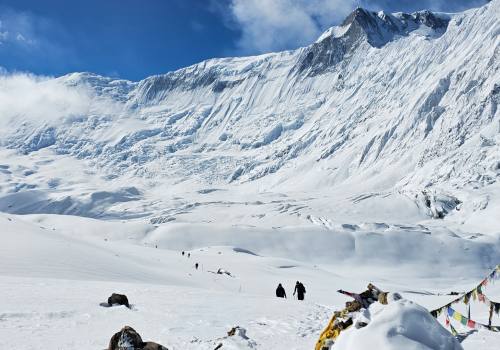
x: 272, y: 25
x: 29, y: 40
x: 18, y: 28
x: 4, y: 36
x: 20, y: 37
x: 35, y: 99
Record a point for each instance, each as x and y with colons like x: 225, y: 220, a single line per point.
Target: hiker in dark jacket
x: 280, y: 291
x: 300, y: 290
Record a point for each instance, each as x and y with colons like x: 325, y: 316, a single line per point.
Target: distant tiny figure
x: 182, y: 253
x: 300, y: 290
x: 189, y: 255
x: 280, y: 291
x: 196, y: 266
x: 156, y: 245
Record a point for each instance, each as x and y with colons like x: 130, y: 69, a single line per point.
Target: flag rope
x: 475, y: 294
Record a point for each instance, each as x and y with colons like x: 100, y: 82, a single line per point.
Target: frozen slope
x: 385, y: 105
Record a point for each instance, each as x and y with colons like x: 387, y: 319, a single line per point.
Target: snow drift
x: 399, y: 325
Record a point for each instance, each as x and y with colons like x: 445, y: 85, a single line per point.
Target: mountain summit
x: 379, y: 27
x: 375, y: 28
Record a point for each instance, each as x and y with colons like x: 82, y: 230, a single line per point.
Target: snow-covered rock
x: 401, y: 324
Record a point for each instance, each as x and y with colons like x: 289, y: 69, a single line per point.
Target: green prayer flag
x: 463, y: 320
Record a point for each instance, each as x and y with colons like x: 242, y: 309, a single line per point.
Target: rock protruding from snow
x: 401, y: 324
x: 128, y: 339
x: 118, y: 299
x: 381, y: 27
x: 236, y: 339
x: 438, y: 205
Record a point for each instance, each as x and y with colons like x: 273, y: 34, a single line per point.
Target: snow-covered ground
x: 55, y: 271
x: 371, y: 155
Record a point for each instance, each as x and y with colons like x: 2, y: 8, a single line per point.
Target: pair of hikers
x: 299, y: 289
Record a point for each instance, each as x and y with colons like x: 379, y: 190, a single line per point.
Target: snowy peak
x: 430, y: 19
x: 363, y: 26
x: 378, y: 28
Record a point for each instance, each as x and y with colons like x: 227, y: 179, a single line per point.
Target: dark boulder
x: 118, y: 299
x: 128, y: 339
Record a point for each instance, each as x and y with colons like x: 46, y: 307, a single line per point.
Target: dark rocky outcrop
x: 365, y: 26
x: 128, y: 339
x: 118, y: 299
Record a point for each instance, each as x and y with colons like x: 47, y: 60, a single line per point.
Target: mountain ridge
x: 363, y: 17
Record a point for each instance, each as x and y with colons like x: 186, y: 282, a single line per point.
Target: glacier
x: 372, y: 154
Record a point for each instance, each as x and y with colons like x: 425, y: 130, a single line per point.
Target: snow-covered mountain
x: 399, y: 105
x: 371, y: 155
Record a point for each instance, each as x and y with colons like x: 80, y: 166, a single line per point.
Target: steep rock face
x: 363, y: 26
x: 380, y: 28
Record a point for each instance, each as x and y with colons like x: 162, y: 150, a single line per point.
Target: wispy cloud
x: 270, y: 25
x: 19, y: 28
x: 44, y: 100
x: 28, y: 40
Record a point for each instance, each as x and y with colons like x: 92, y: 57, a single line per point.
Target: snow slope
x: 53, y: 278
x: 370, y: 155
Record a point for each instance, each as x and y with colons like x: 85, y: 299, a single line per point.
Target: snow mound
x: 237, y: 341
x: 399, y: 325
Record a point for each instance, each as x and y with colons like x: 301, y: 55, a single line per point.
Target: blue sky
x: 133, y: 39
